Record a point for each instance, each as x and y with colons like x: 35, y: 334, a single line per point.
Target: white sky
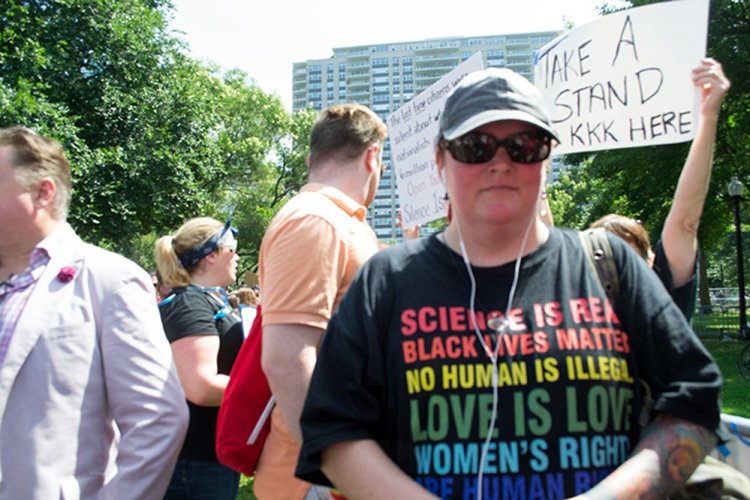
x: 265, y: 37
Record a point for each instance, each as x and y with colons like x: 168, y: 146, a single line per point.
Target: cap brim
x: 495, y: 115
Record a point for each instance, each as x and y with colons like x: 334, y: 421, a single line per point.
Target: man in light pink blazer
x: 90, y: 402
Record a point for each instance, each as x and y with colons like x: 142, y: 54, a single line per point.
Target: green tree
x: 154, y: 137
x: 278, y: 177
x: 292, y: 165
x: 131, y: 109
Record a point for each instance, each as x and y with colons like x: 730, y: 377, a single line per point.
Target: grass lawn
x: 246, y: 489
x: 734, y: 394
x: 712, y: 328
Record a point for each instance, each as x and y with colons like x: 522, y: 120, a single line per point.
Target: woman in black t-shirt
x: 197, y: 262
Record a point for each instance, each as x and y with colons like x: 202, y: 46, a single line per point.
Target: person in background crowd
x: 486, y: 361
x: 90, y: 403
x: 160, y: 288
x: 197, y: 262
x: 245, y: 302
x: 310, y: 252
x: 256, y: 289
x: 246, y: 296
x: 675, y: 258
x: 234, y: 302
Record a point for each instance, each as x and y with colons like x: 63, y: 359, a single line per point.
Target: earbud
x: 498, y: 324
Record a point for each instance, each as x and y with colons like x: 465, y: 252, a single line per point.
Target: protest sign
x: 624, y: 80
x: 412, y: 132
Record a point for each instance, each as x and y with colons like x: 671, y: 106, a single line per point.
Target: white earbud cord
x: 491, y: 353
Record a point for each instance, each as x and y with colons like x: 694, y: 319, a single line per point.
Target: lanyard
x: 210, y: 291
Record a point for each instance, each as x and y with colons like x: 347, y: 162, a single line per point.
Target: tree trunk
x: 703, y: 296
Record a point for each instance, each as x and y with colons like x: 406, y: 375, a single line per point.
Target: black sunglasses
x: 478, y: 147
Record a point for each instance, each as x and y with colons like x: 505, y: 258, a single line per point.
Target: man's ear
x: 372, y: 158
x: 44, y: 192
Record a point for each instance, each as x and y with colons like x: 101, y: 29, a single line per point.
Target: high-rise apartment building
x: 385, y: 77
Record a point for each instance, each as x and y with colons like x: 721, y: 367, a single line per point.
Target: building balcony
x: 427, y: 78
x: 436, y: 46
x: 358, y: 86
x: 452, y: 57
x: 353, y: 78
x: 360, y: 97
x: 358, y: 59
x: 432, y: 68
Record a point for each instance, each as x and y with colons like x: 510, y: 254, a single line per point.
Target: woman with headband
x: 197, y: 262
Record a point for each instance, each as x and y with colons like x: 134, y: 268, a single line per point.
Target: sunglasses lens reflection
x: 524, y: 147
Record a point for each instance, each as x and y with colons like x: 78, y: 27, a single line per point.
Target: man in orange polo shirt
x: 310, y: 253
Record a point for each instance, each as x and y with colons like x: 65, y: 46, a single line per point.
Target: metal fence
x: 721, y: 320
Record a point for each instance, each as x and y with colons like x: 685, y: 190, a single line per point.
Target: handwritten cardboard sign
x: 624, y: 80
x: 412, y: 132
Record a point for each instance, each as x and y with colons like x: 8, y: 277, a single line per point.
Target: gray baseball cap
x: 491, y: 95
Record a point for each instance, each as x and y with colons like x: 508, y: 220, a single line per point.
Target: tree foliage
x: 154, y: 137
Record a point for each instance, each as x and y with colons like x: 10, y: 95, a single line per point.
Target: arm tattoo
x: 667, y: 454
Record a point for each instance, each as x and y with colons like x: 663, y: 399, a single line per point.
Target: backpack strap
x: 599, y: 254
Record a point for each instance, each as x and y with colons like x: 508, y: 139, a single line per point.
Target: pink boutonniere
x: 66, y: 274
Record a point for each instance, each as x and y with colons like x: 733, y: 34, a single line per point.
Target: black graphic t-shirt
x: 191, y: 312
x: 402, y: 363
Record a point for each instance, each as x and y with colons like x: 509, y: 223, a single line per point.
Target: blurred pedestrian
x: 197, y: 263
x: 310, y: 252
x: 90, y: 402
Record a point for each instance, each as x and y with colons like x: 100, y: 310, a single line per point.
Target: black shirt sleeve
x: 684, y: 296
x: 352, y: 409
x: 681, y: 375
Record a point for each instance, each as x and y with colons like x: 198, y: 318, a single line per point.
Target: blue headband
x: 192, y: 256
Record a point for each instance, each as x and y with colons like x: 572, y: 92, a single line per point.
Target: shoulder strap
x: 169, y: 298
x: 599, y: 254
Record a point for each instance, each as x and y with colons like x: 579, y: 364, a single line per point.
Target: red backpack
x: 244, y: 414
